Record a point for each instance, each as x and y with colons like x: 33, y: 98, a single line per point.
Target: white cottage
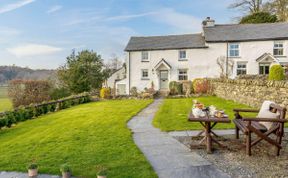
x: 161, y: 59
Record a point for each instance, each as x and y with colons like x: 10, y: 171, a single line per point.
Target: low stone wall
x: 251, y: 92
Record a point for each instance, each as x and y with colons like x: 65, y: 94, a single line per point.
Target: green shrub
x: 200, y: 86
x: 32, y: 166
x: 134, y: 92
x: 276, y: 72
x: 10, y: 118
x: 3, y: 122
x: 176, y: 88
x: 58, y: 93
x: 65, y: 168
x: 24, y: 113
x: 105, y: 93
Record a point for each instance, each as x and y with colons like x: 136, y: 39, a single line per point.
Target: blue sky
x: 41, y: 33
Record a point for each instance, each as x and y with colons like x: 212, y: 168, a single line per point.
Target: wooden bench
x: 251, y: 125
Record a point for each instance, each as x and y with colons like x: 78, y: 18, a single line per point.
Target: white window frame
x: 145, y: 56
x: 144, y: 77
x: 242, y: 69
x: 182, y: 75
x: 181, y: 58
x: 233, y: 49
x: 276, y: 46
x: 264, y: 65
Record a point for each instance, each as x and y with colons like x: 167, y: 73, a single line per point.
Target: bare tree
x: 114, y: 63
x: 226, y: 66
x: 250, y: 6
x: 278, y: 7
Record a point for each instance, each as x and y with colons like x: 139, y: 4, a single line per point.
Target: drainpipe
x: 129, y: 73
x: 227, y: 58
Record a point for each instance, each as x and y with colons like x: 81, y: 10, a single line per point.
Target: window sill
x: 145, y: 61
x: 145, y: 79
x: 234, y: 57
x: 278, y: 56
x: 182, y: 59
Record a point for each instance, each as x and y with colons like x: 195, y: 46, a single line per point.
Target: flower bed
x: 23, y: 113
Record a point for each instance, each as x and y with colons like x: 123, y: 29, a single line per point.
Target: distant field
x: 5, y: 103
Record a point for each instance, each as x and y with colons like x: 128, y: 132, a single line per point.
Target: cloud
x: 108, y: 19
x: 29, y: 50
x: 180, y: 21
x: 13, y: 6
x: 131, y: 16
x: 7, y: 31
x: 54, y: 9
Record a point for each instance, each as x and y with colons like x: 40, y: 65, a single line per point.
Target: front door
x: 163, y: 79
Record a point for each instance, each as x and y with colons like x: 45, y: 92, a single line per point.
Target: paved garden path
x: 168, y: 157
x: 23, y: 175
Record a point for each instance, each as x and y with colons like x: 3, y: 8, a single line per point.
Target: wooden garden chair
x: 268, y: 125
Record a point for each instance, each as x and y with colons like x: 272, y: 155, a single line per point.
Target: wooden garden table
x: 208, y: 122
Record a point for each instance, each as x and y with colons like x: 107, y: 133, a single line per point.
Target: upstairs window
x: 145, y: 56
x: 145, y: 74
x: 278, y: 49
x: 234, y: 50
x: 241, y: 68
x: 182, y: 55
x: 182, y: 74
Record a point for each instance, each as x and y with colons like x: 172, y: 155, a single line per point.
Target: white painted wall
x: 118, y: 75
x: 201, y: 63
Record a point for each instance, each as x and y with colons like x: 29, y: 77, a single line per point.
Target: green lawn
x: 83, y: 136
x: 172, y: 115
x: 5, y: 102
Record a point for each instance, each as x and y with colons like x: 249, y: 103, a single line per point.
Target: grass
x: 5, y: 102
x: 83, y: 137
x: 172, y: 115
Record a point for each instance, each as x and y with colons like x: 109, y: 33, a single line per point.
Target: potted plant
x: 101, y: 172
x: 66, y: 170
x: 32, y: 169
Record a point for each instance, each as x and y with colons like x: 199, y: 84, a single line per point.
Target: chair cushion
x: 266, y: 113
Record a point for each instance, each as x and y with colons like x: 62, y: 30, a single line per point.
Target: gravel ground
x: 234, y: 161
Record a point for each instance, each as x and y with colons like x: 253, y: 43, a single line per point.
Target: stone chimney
x: 208, y: 22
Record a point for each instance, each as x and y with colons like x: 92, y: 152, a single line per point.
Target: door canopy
x: 162, y: 64
x: 267, y: 58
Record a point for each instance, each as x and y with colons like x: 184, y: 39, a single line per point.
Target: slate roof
x: 218, y: 33
x: 166, y: 42
x: 246, y: 32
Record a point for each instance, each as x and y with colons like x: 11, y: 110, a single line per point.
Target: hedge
x: 20, y: 114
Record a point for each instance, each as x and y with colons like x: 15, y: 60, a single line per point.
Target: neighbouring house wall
x: 116, y: 76
x: 250, y: 51
x: 251, y: 92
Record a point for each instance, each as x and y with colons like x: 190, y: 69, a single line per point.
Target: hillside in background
x: 14, y: 72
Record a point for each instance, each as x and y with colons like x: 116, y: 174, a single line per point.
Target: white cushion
x: 266, y: 113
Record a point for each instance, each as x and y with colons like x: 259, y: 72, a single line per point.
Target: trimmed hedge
x: 276, y: 73
x: 20, y: 114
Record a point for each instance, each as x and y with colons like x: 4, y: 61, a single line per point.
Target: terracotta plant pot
x: 32, y: 172
x: 66, y: 174
x: 101, y: 176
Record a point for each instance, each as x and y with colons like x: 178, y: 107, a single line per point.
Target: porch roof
x: 165, y: 63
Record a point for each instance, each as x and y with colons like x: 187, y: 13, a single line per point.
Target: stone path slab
x: 168, y: 157
x: 4, y: 174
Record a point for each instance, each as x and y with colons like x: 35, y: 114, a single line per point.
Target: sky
x: 40, y: 34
